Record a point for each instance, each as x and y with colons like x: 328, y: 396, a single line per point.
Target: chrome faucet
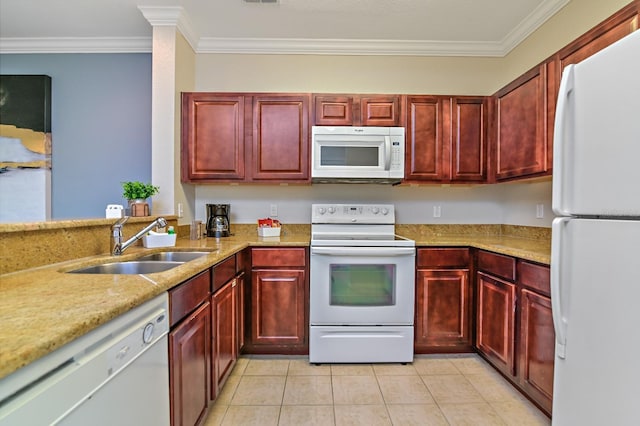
x: 117, y: 246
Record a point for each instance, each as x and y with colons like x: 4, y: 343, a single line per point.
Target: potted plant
x: 137, y: 193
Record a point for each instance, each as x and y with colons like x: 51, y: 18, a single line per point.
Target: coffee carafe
x: 218, y: 220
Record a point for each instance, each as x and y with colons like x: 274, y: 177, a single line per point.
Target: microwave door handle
x: 387, y: 152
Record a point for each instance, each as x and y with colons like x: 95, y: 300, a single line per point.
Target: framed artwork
x: 25, y: 148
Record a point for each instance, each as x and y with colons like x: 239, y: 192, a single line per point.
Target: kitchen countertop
x: 43, y: 308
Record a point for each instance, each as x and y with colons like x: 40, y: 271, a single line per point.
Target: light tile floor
x: 434, y: 390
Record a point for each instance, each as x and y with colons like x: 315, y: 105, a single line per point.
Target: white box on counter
x: 159, y: 240
x: 264, y: 231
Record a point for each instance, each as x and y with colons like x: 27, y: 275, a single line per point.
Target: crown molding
x: 530, y: 23
x: 76, y: 45
x: 177, y: 17
x: 174, y: 16
x: 347, y: 47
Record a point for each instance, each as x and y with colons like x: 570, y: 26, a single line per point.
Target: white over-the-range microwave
x: 357, y: 154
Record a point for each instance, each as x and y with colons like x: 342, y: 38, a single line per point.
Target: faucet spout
x: 118, y: 247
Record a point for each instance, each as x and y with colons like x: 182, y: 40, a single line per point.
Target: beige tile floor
x: 434, y: 390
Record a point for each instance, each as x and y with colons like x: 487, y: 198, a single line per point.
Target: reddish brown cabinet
x: 536, y: 345
x: 356, y: 110
x: 190, y: 350
x: 224, y: 316
x: 280, y: 143
x: 520, y: 136
x: 213, y: 137
x: 465, y: 136
x: 446, y: 139
x: 496, y: 321
x: 443, y: 321
x: 245, y: 137
x: 226, y: 312
x: 423, y: 135
x: 279, y: 301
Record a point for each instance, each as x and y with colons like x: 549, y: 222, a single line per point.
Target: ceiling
x: 383, y: 27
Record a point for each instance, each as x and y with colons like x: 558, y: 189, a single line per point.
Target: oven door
x: 362, y: 285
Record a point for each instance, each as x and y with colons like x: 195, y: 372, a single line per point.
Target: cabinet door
x: 278, y: 307
x: 240, y: 326
x: 280, y: 149
x: 213, y: 144
x: 536, y: 348
x: 443, y: 306
x: 424, y: 156
x: 224, y: 336
x: 495, y: 322
x: 190, y: 367
x: 521, y: 127
x: 467, y: 149
x: 380, y: 110
x: 333, y: 110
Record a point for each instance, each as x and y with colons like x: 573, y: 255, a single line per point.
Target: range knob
x: 331, y: 210
x: 321, y: 210
x: 385, y: 211
x: 375, y: 210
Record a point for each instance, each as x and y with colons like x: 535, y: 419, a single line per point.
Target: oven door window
x: 363, y: 285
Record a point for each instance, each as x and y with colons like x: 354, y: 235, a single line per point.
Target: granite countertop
x: 43, y: 308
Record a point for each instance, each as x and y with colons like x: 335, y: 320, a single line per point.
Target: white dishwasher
x: 117, y: 374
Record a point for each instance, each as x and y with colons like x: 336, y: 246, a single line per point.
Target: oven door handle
x: 364, y: 251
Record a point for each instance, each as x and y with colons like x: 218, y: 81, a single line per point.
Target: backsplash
x: 29, y: 245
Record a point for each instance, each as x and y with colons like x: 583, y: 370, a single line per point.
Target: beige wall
x: 185, y: 82
x: 575, y: 19
x: 399, y: 74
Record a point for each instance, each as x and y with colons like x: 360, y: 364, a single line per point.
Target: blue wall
x: 100, y: 123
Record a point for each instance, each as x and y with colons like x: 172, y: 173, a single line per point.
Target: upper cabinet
x: 280, y: 143
x: 524, y: 110
x: 213, y: 137
x: 465, y: 133
x: 244, y: 137
x: 446, y: 139
x: 520, y: 133
x: 356, y: 110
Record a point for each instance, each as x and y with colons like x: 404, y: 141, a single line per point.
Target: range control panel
x: 353, y: 213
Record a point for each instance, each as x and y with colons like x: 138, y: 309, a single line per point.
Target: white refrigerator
x: 595, y: 253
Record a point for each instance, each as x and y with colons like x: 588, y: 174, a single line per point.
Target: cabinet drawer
x: 497, y: 264
x: 536, y: 277
x: 276, y: 257
x: 187, y: 296
x: 223, y: 272
x: 443, y: 258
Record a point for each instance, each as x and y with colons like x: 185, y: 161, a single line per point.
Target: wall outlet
x: 273, y: 210
x: 180, y: 210
x: 539, y: 211
x: 437, y: 211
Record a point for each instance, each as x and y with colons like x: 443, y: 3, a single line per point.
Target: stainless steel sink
x: 130, y: 268
x: 174, y: 256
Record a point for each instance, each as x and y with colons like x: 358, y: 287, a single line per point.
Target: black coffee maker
x: 218, y: 220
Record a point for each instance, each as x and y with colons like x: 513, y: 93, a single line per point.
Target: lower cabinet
x: 190, y: 350
x: 279, y: 301
x: 536, y: 347
x: 515, y: 325
x: 443, y: 320
x: 224, y: 315
x: 496, y: 321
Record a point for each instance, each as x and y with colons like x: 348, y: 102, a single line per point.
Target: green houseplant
x: 137, y: 192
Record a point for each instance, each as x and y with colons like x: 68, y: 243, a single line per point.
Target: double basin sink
x: 149, y: 264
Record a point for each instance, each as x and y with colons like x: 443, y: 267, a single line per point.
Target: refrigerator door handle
x: 562, y: 140
x: 559, y: 319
